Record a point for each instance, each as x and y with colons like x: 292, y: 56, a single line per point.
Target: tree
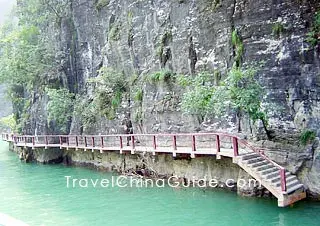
x: 200, y: 90
x: 239, y: 92
x: 27, y: 57
x: 242, y: 93
x: 60, y: 107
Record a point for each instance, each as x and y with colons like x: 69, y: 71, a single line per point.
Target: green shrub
x: 101, y: 4
x: 159, y: 50
x: 161, y: 76
x: 138, y: 95
x: 184, y: 80
x: 237, y: 46
x: 277, y: 29
x: 114, y: 33
x: 239, y: 92
x: 307, y: 136
x: 138, y: 115
x: 164, y: 41
x: 314, y: 34
x: 110, y: 85
x: 134, y: 79
x: 60, y: 107
x: 213, y: 4
x: 196, y: 99
x: 86, y: 110
x: 8, y: 122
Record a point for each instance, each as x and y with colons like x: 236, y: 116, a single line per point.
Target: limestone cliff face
x: 138, y: 37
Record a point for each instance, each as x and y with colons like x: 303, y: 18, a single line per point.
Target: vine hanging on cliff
x: 313, y: 37
x: 238, y: 47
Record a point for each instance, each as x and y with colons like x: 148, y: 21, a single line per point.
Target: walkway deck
x: 275, y: 178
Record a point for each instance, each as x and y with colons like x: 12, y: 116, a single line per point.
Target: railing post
x: 154, y: 142
x: 121, y: 142
x: 133, y: 143
x: 235, y: 146
x: 102, y: 141
x: 92, y: 141
x: 283, y: 180
x: 218, y: 143
x: 77, y: 141
x: 46, y: 139
x: 68, y: 143
x: 174, y: 141
x: 7, y: 137
x: 60, y: 140
x: 193, y: 143
x: 33, y: 141
x: 85, y: 141
x: 15, y: 140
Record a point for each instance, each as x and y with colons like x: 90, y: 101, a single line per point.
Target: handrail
x: 235, y: 140
x: 282, y: 169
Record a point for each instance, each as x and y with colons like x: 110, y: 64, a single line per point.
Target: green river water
x: 37, y: 194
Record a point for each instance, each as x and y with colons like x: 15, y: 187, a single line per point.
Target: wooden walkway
x: 275, y: 178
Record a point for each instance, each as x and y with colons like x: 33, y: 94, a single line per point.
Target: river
x: 38, y: 195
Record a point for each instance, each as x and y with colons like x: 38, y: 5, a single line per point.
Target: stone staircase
x: 268, y: 174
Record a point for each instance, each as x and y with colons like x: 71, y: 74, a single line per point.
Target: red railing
x: 143, y: 140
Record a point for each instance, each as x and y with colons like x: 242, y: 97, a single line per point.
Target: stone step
x: 264, y: 167
x: 249, y: 156
x: 271, y: 175
x: 288, y: 180
x: 294, y: 188
x: 261, y: 163
x: 277, y: 178
x: 292, y: 184
x: 253, y: 160
x: 268, y: 170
